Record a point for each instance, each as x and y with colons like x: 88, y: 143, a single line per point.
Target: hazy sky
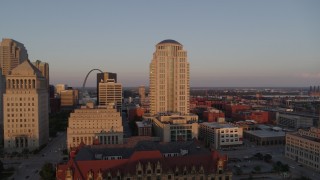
x: 229, y: 43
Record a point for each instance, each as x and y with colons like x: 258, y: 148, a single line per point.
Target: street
x: 29, y: 168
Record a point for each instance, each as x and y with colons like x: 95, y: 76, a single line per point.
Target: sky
x: 236, y: 43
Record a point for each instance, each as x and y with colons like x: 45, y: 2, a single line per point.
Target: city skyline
x: 246, y: 44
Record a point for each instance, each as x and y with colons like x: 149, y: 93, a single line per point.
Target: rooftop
x: 264, y: 133
x: 143, y: 124
x: 88, y: 153
x: 218, y: 125
x: 169, y: 41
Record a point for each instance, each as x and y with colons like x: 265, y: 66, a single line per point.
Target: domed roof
x: 169, y: 41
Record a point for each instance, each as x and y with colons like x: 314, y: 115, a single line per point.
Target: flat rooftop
x: 218, y: 125
x: 141, y: 124
x: 306, y: 137
x: 193, y: 148
x: 264, y: 133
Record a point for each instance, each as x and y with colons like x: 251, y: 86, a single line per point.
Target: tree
x: 47, y: 172
x: 257, y: 168
x: 238, y: 171
x: 267, y: 158
x: 259, y: 156
x: 303, y: 178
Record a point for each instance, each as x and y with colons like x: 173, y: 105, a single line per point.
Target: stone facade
x: 12, y: 53
x: 304, y: 147
x: 91, y: 124
x: 169, y: 79
x: 26, y: 123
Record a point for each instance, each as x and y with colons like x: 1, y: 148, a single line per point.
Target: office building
x: 169, y: 78
x: 144, y: 128
x: 171, y: 127
x: 43, y: 68
x: 304, y: 147
x: 265, y: 135
x: 110, y: 92
x: 220, y: 135
x: 293, y: 121
x: 89, y: 124
x: 69, y: 97
x: 213, y: 115
x: 60, y: 87
x: 103, y: 77
x: 142, y: 94
x: 12, y: 53
x: 26, y: 123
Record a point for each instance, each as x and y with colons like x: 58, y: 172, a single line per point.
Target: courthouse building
x: 26, y: 123
x: 94, y: 124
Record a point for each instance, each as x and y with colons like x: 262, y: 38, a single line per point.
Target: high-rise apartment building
x: 12, y: 53
x: 102, y: 77
x: 169, y: 78
x: 110, y: 92
x: 26, y: 122
x: 44, y: 68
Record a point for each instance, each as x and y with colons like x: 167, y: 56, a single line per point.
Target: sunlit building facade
x: 110, y: 92
x: 304, y: 147
x: 43, y: 68
x: 26, y: 123
x: 12, y: 53
x: 89, y: 124
x: 169, y: 78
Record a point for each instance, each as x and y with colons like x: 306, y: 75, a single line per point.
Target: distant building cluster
x: 314, y: 91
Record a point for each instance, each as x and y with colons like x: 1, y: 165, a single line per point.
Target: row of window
x: 21, y: 115
x: 19, y: 104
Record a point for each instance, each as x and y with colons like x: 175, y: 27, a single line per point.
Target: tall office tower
x: 2, y: 90
x: 102, y: 77
x: 142, y: 94
x: 110, y: 92
x: 12, y: 53
x: 26, y: 121
x: 169, y: 78
x: 61, y: 87
x: 44, y: 68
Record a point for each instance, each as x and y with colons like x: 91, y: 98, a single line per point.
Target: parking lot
x: 243, y: 163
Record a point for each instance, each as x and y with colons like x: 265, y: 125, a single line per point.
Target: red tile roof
x: 81, y: 168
